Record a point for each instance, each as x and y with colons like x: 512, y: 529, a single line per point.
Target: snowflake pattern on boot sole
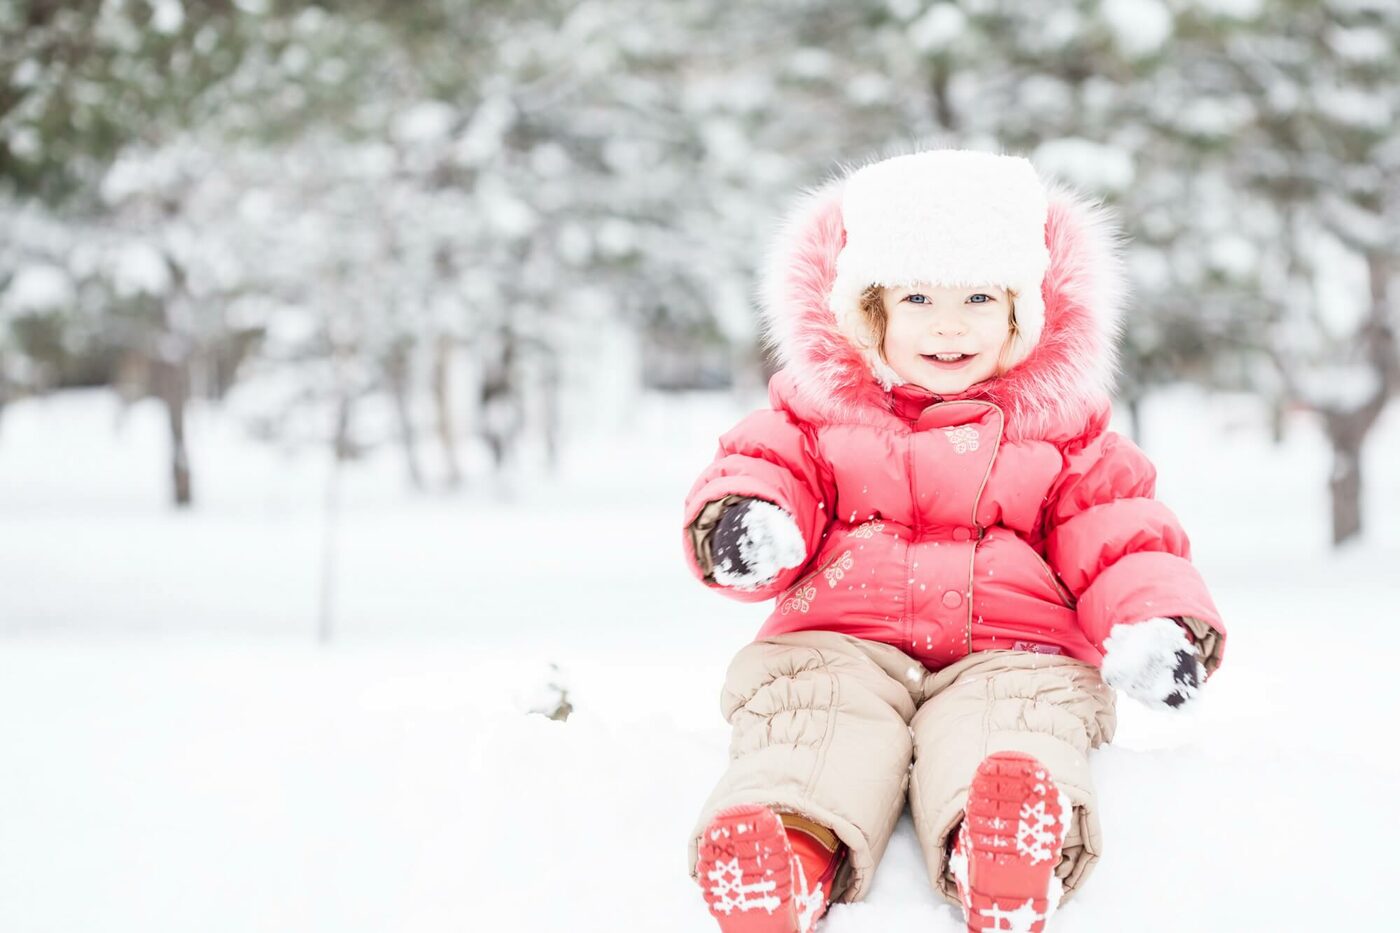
x: 1005, y: 851
x: 750, y: 878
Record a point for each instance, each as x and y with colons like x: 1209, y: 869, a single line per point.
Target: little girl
x: 964, y: 558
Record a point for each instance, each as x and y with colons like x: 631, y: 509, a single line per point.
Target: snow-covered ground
x: 181, y: 755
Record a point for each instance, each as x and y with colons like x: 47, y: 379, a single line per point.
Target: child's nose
x: 949, y: 323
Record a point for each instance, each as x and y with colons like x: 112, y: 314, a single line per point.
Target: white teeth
x: 948, y: 357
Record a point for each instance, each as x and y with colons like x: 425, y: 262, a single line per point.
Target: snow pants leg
x: 1052, y: 707
x: 821, y: 728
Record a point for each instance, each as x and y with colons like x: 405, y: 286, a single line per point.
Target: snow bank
x: 180, y: 756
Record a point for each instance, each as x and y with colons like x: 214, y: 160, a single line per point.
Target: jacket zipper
x: 908, y: 606
x: 981, y: 532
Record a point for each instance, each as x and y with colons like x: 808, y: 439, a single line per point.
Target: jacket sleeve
x: 1122, y: 553
x: 766, y: 456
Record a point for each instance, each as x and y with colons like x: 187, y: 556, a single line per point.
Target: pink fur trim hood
x: 1062, y: 385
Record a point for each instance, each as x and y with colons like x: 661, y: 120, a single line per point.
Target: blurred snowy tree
x: 467, y: 228
x: 81, y: 80
x: 1312, y: 190
x: 1100, y: 96
x: 37, y: 302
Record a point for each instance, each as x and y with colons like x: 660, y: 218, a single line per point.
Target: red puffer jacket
x: 1007, y: 517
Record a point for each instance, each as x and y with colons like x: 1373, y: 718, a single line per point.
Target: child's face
x: 925, y: 320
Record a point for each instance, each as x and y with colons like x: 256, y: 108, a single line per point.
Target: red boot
x: 1009, y: 843
x: 757, y: 878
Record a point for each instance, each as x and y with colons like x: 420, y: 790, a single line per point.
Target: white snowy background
x: 429, y: 314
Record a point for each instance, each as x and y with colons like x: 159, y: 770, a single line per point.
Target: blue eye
x: 974, y: 298
x: 917, y: 298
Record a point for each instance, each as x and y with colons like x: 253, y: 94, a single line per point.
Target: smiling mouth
x: 948, y: 358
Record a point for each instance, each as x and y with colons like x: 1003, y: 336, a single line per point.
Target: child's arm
x: 768, y: 457
x: 1124, y: 555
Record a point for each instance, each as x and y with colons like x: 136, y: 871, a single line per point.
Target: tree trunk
x: 342, y: 449
x: 4, y: 386
x: 1278, y: 419
x: 500, y: 403
x: 1134, y: 405
x: 341, y: 444
x: 442, y: 399
x: 942, y: 99
x: 1347, y: 430
x: 397, y: 370
x: 1346, y: 435
x: 553, y: 419
x: 173, y: 387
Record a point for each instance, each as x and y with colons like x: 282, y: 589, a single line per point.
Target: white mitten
x: 753, y: 542
x: 1153, y: 662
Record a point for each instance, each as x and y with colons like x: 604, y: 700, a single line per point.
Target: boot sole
x: 745, y: 871
x: 1016, y: 821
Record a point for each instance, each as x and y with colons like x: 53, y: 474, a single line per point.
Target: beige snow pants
x: 827, y: 725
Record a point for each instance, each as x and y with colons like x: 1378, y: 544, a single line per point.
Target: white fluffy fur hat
x: 944, y: 217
